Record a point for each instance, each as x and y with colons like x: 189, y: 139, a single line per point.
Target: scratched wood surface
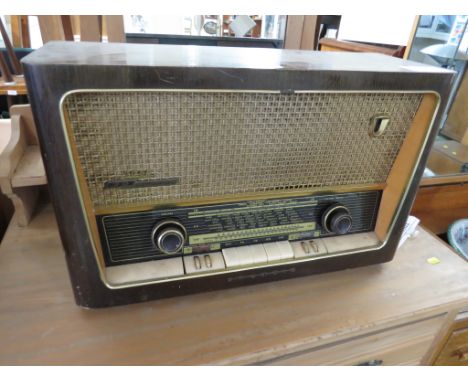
x: 40, y: 323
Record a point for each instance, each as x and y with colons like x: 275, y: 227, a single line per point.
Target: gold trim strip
x: 237, y: 198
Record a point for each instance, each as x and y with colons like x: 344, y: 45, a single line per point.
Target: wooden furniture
x: 334, y: 45
x: 83, y: 67
x: 16, y: 87
x: 392, y: 313
x: 148, y: 38
x: 448, y: 157
x: 20, y: 31
x: 55, y: 27
x: 456, y: 126
x: 442, y: 199
x: 9, y: 48
x: 21, y: 166
x: 12, y: 82
x: 453, y: 348
x: 439, y: 205
x: 6, y: 207
x: 88, y: 27
x: 303, y: 32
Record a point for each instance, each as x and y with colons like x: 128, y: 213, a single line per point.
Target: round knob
x: 337, y: 219
x: 169, y: 236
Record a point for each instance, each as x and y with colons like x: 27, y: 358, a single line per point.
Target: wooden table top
x: 40, y: 323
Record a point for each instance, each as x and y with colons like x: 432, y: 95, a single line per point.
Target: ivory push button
x: 278, y: 250
x: 204, y: 263
x: 196, y: 262
x: 309, y: 248
x: 246, y: 255
x: 208, y: 262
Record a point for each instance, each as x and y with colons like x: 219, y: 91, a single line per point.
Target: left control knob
x: 169, y: 236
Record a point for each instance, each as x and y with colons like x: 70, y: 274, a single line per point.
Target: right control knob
x: 337, y: 219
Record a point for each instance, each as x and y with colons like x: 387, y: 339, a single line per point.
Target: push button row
x: 248, y: 255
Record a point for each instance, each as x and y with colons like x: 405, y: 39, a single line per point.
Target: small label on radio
x: 139, y: 183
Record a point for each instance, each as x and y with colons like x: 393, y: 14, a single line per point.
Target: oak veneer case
x: 126, y: 128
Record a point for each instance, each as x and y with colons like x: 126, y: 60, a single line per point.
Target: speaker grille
x: 139, y: 147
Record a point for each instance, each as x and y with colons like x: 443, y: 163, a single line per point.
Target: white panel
x: 380, y: 29
x: 246, y: 255
x: 279, y: 250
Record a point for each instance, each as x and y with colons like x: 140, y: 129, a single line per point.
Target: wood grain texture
x: 439, y: 206
x: 25, y: 35
x: 411, y: 37
x: 401, y: 173
x: 444, y: 179
x: 12, y: 153
x: 99, y: 66
x: 113, y: 27
x: 441, y: 339
x: 75, y: 24
x: 5, y: 70
x: 294, y: 28
x: 24, y: 201
x: 400, y: 345
x: 51, y: 28
x: 67, y: 27
x: 332, y: 44
x: 16, y: 85
x: 6, y: 207
x: 27, y: 122
x: 90, y: 28
x: 40, y: 324
x: 30, y: 170
x: 448, y: 157
x: 456, y: 126
x: 15, y: 24
x: 9, y: 48
x: 442, y: 164
x: 21, y: 164
x: 455, y: 349
x: 309, y: 32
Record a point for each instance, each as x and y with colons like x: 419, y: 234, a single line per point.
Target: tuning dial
x: 169, y: 236
x: 337, y: 219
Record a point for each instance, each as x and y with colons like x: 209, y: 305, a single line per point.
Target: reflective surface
x: 442, y: 41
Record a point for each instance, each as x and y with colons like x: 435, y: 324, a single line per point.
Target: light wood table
x: 391, y: 313
x: 17, y: 87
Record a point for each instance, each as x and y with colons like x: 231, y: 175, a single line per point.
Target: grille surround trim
x: 89, y: 214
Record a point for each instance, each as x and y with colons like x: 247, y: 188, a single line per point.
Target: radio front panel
x: 131, y: 237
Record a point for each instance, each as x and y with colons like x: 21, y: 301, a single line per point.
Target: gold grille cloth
x: 220, y: 143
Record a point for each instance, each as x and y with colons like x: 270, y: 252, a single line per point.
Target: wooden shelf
x: 30, y: 170
x: 18, y: 87
x: 331, y: 44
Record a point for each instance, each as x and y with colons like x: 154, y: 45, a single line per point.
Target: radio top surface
x: 85, y: 53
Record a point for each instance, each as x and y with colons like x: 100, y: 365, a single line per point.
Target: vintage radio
x: 180, y: 169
